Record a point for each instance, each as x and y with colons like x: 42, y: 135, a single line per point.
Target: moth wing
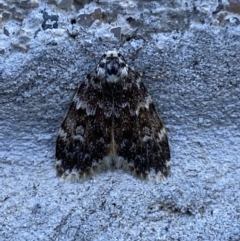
x: 141, y: 135
x: 84, y: 134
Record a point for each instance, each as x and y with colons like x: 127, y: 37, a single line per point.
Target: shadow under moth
x: 112, y: 123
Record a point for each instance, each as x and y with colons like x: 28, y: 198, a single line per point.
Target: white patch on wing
x: 58, y: 163
x: 90, y: 110
x: 124, y: 72
x: 79, y: 103
x: 162, y: 133
x: 144, y: 104
x: 78, y: 138
x: 138, y: 81
x: 101, y: 72
x: 62, y: 133
x: 155, y: 177
x: 146, y: 138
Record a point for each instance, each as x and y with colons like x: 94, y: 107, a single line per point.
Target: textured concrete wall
x: 46, y: 50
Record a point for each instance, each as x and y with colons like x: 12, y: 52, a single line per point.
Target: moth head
x: 112, y: 66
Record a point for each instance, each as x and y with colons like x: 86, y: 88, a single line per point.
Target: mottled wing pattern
x: 85, y: 132
x: 139, y: 132
x: 112, y: 122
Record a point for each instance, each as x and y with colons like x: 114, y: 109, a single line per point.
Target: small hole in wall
x: 73, y: 21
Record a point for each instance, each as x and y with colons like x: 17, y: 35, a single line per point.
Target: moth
x: 112, y: 122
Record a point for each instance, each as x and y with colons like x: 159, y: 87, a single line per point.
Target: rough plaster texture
x: 193, y: 46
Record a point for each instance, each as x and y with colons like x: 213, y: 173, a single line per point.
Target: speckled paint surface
x: 195, y: 51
